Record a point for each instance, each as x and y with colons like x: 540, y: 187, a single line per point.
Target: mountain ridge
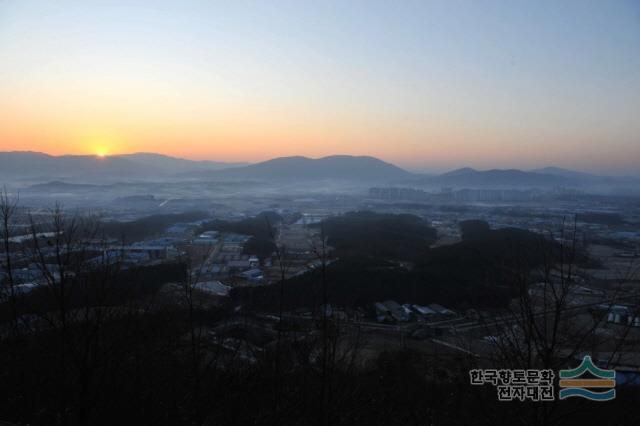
x: 42, y: 167
x: 346, y: 167
x: 468, y: 176
x: 33, y: 164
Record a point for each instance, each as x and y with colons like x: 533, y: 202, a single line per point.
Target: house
x: 212, y: 287
x: 621, y: 314
x: 208, y: 238
x: 254, y: 275
x: 423, y: 312
x: 441, y: 310
x: 391, y: 311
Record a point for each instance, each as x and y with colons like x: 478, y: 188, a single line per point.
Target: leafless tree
x: 8, y: 208
x: 341, y: 343
x: 547, y: 325
x: 283, y: 267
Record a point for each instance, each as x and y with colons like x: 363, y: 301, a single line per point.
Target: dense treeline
x: 143, y: 377
x: 92, y: 289
x: 477, y: 272
x: 383, y: 236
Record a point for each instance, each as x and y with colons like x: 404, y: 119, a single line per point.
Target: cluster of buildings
x: 216, y: 257
x: 391, y: 311
x: 221, y: 256
x: 398, y: 193
x: 451, y: 195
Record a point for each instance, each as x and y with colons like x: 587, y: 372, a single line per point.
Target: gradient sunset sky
x: 428, y: 85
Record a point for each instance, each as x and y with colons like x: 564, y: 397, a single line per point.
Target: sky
x: 427, y: 85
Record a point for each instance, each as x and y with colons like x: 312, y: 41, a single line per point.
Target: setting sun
x: 99, y: 142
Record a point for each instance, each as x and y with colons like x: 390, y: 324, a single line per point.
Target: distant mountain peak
x: 460, y: 171
x: 559, y: 171
x: 469, y: 177
x: 343, y: 167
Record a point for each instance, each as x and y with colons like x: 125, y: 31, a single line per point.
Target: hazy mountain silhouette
x: 569, y: 174
x: 38, y: 167
x: 582, y: 178
x: 496, y: 178
x: 176, y: 165
x: 25, y: 165
x: 344, y: 167
x: 58, y: 186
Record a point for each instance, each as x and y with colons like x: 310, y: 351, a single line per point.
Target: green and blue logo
x: 572, y: 384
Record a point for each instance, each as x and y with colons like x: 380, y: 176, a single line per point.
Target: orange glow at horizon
x: 440, y: 87
x: 253, y: 139
x: 236, y: 128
